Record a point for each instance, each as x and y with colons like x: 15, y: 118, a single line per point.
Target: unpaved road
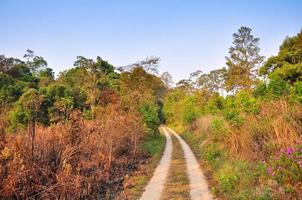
x: 199, y: 189
x: 155, y: 187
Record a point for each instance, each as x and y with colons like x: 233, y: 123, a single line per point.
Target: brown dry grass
x: 277, y: 125
x: 135, y: 183
x: 77, y: 160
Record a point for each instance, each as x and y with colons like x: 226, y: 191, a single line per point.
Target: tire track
x: 153, y: 190
x: 199, y: 189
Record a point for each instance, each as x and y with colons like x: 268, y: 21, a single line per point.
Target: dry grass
x: 77, y: 160
x: 135, y: 183
x: 277, y: 125
x: 202, y: 124
x: 177, y: 186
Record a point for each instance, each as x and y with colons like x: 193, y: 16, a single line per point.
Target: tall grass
x: 260, y: 159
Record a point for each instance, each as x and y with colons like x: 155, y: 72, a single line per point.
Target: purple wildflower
x: 289, y: 151
x: 270, y: 170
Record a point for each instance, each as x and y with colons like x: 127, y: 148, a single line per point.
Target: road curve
x: 155, y: 186
x: 199, y: 189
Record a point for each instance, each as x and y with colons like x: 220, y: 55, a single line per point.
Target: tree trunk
x: 32, y: 133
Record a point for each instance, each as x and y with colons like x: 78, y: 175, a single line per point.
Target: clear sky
x: 187, y: 35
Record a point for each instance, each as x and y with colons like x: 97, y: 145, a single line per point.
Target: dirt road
x: 199, y: 189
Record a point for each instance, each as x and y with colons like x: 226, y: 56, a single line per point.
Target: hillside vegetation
x: 78, y: 135
x: 244, y: 121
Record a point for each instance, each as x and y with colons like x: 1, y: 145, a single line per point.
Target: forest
x: 81, y: 133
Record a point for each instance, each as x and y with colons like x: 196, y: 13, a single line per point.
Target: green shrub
x: 233, y: 116
x: 189, y: 116
x: 87, y: 114
x: 297, y: 91
x: 278, y: 87
x: 215, y: 105
x: 246, y: 102
x: 150, y: 116
x: 153, y: 144
x: 227, y: 181
x: 286, y: 168
x: 213, y: 154
x: 260, y: 90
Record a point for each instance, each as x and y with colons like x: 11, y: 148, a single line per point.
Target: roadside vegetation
x: 135, y: 182
x: 244, y: 121
x: 76, y: 135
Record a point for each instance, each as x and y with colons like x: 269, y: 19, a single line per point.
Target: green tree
x: 46, y: 76
x: 31, y: 102
x: 141, y: 92
x: 96, y: 74
x: 35, y: 63
x: 243, y: 60
x: 288, y: 63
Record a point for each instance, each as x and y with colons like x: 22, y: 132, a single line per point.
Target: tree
x: 35, y: 63
x: 9, y: 90
x: 31, y: 102
x: 287, y: 65
x: 46, y: 76
x: 7, y: 63
x: 213, y: 81
x: 167, y: 79
x: 243, y: 60
x: 150, y: 65
x: 140, y: 91
x: 95, y: 75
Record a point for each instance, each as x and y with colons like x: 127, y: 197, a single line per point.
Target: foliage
x: 239, y: 135
x: 285, y: 167
x: 84, y: 131
x: 287, y: 65
x: 244, y: 58
x: 150, y: 117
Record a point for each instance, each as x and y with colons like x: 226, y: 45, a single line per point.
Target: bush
x: 215, y: 105
x: 189, y: 116
x: 260, y: 91
x: 228, y: 181
x: 213, y: 155
x: 286, y: 168
x: 150, y: 117
x: 247, y: 103
x: 278, y: 87
x: 233, y: 116
x: 218, y: 129
x: 297, y: 91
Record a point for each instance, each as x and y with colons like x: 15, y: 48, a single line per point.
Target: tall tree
x: 35, y: 63
x: 150, y: 65
x: 96, y: 72
x: 243, y: 60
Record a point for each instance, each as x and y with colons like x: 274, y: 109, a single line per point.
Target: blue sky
x: 187, y: 35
